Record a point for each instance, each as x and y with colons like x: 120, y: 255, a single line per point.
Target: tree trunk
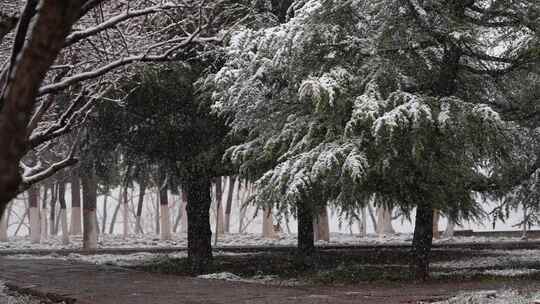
x: 157, y: 206
x: 321, y: 228
x: 44, y: 215
x: 372, y: 217
x: 42, y: 44
x: 90, y: 235
x: 52, y: 211
x: 268, y: 224
x: 220, y: 227
x: 362, y: 224
x: 75, y: 204
x: 164, y: 212
x: 35, y: 225
x: 306, y: 244
x: 422, y: 241
x: 436, y: 224
x: 115, y: 213
x: 4, y: 225
x: 142, y: 190
x: 449, y: 232
x: 63, y: 212
x: 104, y: 219
x: 384, y: 221
x: 184, y: 221
x: 125, y: 212
x: 228, y: 207
x: 199, y: 232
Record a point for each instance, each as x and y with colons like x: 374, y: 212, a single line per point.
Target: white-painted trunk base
x: 449, y: 232
x: 64, y: 224
x: 362, y: 224
x: 76, y: 227
x: 44, y: 224
x: 184, y: 219
x: 35, y: 225
x: 268, y: 225
x: 384, y: 222
x: 165, y: 219
x: 125, y: 220
x: 90, y: 233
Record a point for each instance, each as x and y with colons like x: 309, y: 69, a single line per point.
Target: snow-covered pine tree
x: 391, y: 97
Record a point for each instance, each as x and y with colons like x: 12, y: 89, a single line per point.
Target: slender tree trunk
x: 228, y: 207
x: 63, y: 212
x: 44, y: 215
x: 52, y: 211
x: 125, y: 212
x: 75, y: 204
x: 321, y: 226
x: 35, y: 225
x: 436, y: 224
x: 90, y: 235
x: 142, y: 190
x: 220, y: 230
x: 199, y: 232
x: 372, y: 217
x: 306, y: 244
x: 524, y: 233
x: 164, y: 209
x: 184, y: 221
x: 115, y: 213
x: 179, y: 214
x: 268, y: 224
x: 422, y: 241
x: 104, y: 219
x: 241, y: 207
x: 156, y: 208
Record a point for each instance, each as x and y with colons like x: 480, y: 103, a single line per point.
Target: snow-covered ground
x: 7, y: 298
x: 493, y: 297
x: 230, y: 240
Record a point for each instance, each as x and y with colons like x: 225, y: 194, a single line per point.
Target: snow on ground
x: 258, y: 279
x: 230, y: 240
x: 492, y: 297
x: 122, y: 260
x: 9, y: 298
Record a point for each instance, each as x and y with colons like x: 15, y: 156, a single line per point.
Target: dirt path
x: 84, y: 283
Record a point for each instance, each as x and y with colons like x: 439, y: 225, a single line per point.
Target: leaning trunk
x: 75, y: 205
x: 125, y: 214
x: 228, y: 207
x: 44, y: 215
x: 219, y: 207
x: 306, y: 244
x: 199, y: 233
x: 422, y: 241
x: 142, y: 190
x: 90, y: 236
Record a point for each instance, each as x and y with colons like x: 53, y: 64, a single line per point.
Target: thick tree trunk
x: 384, y: 221
x: 306, y: 244
x: 228, y: 207
x: 268, y: 224
x: 76, y: 227
x: 63, y: 212
x: 4, y: 226
x: 90, y: 232
x: 362, y: 224
x: 422, y: 241
x: 33, y: 204
x: 42, y: 43
x: 199, y: 232
x: 321, y: 226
